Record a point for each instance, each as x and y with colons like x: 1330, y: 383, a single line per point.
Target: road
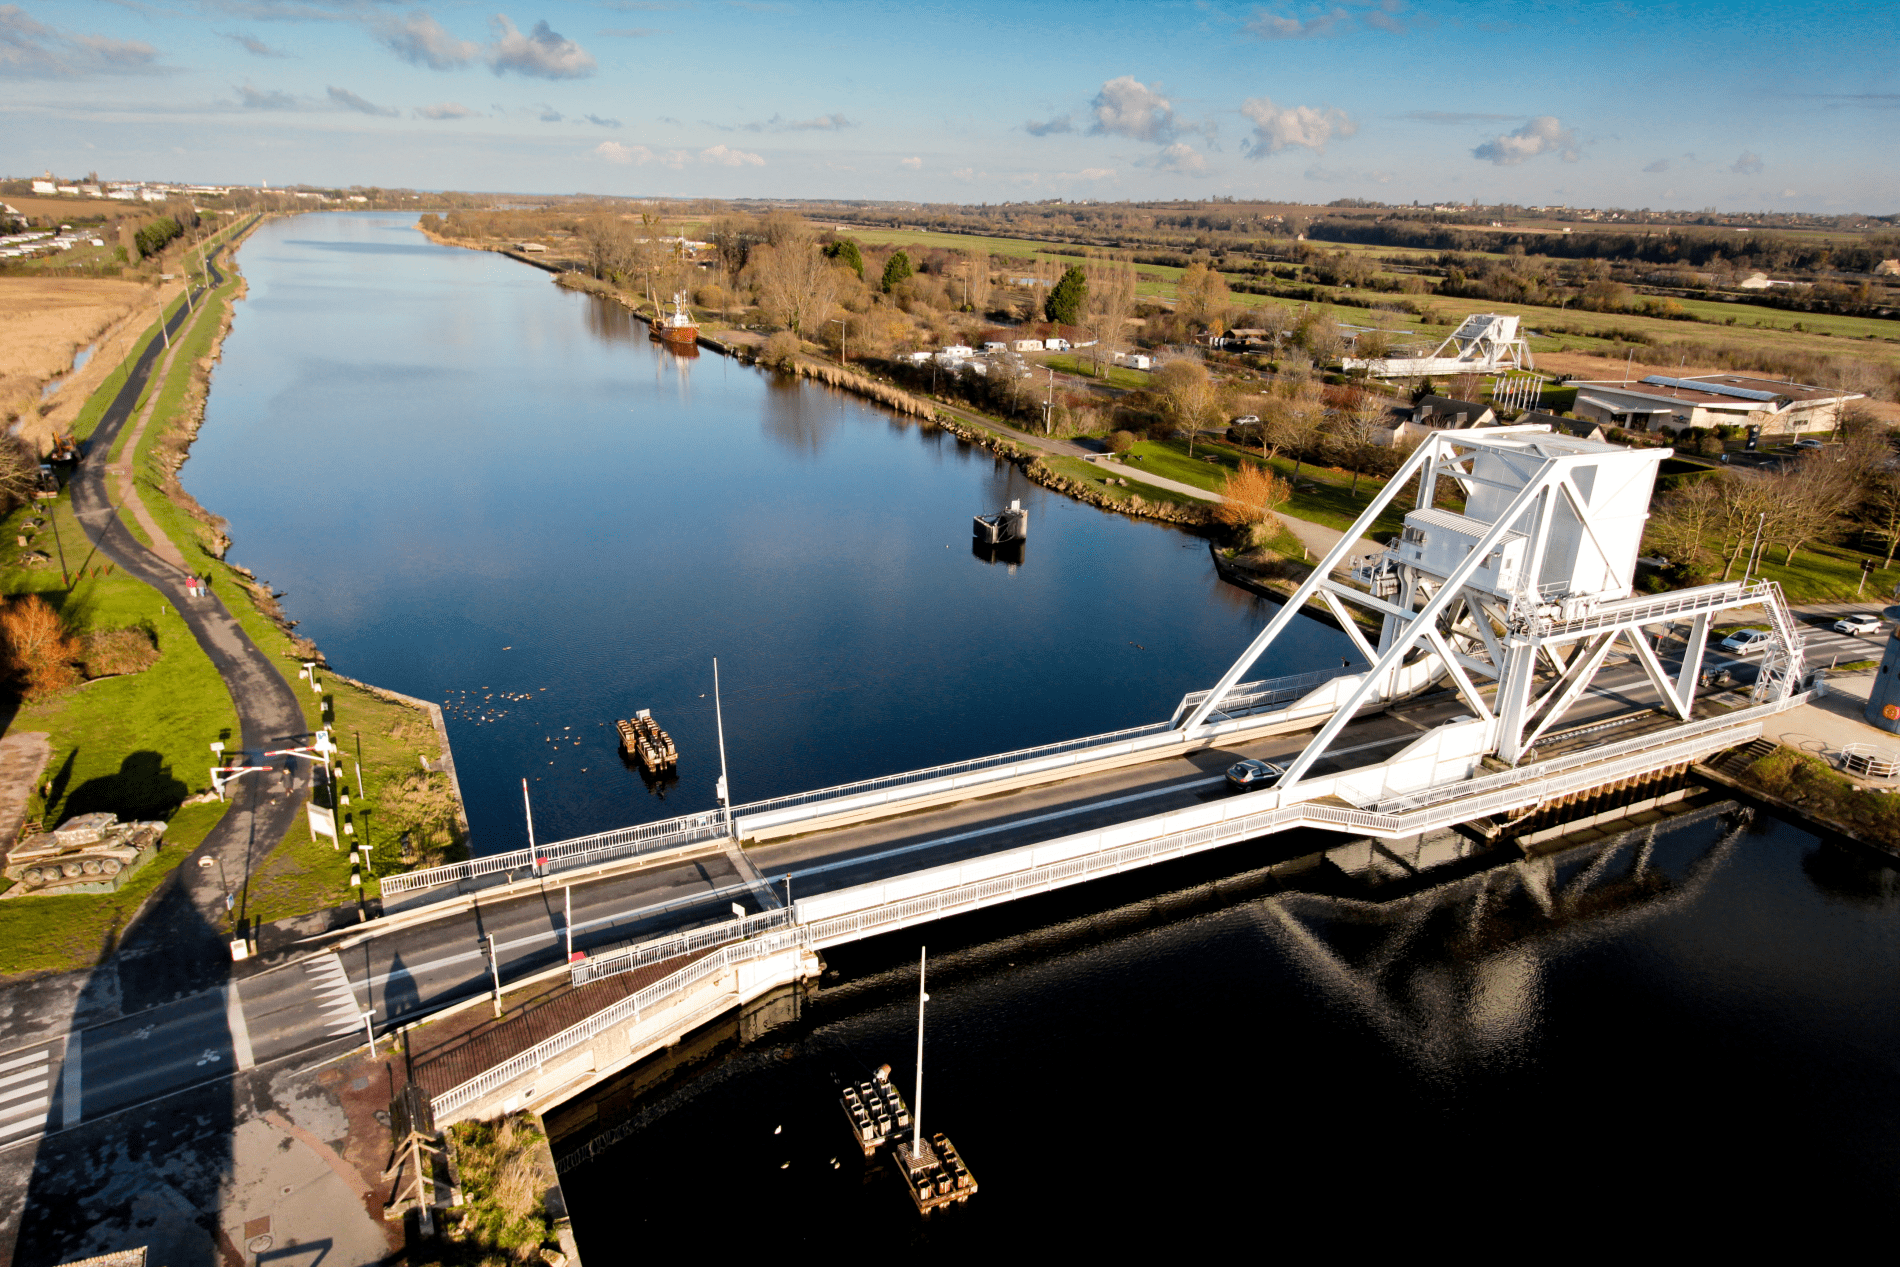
x: 178, y: 946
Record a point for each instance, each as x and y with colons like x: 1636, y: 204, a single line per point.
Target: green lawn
x: 1093, y: 473
x: 1078, y: 364
x: 66, y: 934
x: 1320, y: 495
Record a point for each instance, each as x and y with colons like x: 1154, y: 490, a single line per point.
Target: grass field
x: 1092, y: 474
x: 1079, y: 365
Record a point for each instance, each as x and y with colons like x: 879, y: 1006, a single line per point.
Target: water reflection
x: 1454, y: 974
x: 1008, y: 552
x: 801, y: 418
x: 611, y: 322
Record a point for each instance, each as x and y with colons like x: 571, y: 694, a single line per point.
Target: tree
x: 1202, y: 298
x: 1360, y: 425
x: 19, y: 472
x: 39, y: 650
x: 974, y: 268
x: 796, y: 284
x: 1111, y: 295
x: 1189, y: 394
x: 1067, y: 300
x: 845, y: 251
x: 1881, y: 510
x: 1251, y: 493
x: 896, y: 269
x: 1683, y: 521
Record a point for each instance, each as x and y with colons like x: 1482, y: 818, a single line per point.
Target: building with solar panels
x: 1661, y: 403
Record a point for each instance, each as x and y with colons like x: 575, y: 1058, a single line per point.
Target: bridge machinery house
x: 1661, y: 403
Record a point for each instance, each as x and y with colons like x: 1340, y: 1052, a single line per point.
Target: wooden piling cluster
x: 643, y: 740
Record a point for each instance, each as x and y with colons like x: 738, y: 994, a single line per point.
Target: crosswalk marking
x: 33, y: 1077
x: 336, y: 998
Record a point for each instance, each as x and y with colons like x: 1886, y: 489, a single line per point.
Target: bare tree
x: 1111, y: 303
x: 1202, y: 297
x: 1880, y: 510
x: 1684, y: 519
x: 1360, y: 424
x: 1190, y: 394
x: 796, y: 284
x: 974, y: 270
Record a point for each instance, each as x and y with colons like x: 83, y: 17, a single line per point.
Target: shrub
x: 1252, y: 492
x: 110, y: 652
x: 1121, y: 441
x: 39, y: 649
x: 781, y: 351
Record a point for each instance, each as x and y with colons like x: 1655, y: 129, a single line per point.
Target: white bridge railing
x: 759, y: 936
x: 673, y: 833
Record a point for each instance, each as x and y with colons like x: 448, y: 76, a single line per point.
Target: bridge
x: 1508, y: 669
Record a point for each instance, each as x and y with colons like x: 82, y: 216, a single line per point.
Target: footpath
x: 231, y: 1165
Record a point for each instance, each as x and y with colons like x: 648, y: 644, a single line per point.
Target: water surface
x: 474, y: 486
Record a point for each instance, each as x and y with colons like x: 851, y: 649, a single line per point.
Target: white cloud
x: 966, y: 174
x: 254, y: 46
x: 1274, y: 26
x: 1061, y: 123
x: 1543, y: 135
x: 599, y: 122
x: 1747, y: 165
x: 420, y: 40
x: 543, y: 53
x: 32, y: 50
x: 1277, y: 128
x: 721, y: 156
x: 1127, y: 107
x: 446, y: 110
x: 615, y: 152
x: 912, y: 163
x: 266, y: 99
x: 834, y: 122
x: 1180, y: 158
x: 1339, y: 20
x: 350, y: 101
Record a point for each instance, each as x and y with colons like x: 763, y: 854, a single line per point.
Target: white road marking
x: 336, y: 997
x: 240, y: 1032
x: 70, y: 1087
x: 32, y: 1077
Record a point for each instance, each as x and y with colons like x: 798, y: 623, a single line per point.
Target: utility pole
x: 567, y: 918
x: 528, y: 807
x: 1049, y: 405
x: 494, y: 972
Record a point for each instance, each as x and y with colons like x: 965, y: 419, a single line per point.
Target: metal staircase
x: 1783, y: 663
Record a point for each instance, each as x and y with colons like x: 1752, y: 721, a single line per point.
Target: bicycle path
x: 178, y: 945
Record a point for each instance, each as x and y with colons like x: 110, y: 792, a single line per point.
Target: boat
x: 677, y: 327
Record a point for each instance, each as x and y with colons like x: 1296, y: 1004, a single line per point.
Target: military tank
x: 91, y: 853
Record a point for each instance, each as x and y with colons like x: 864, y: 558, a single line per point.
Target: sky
x: 1738, y: 106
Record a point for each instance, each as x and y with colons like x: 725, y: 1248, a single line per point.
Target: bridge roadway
x: 405, y: 973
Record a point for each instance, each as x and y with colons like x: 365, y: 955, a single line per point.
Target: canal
x: 478, y: 488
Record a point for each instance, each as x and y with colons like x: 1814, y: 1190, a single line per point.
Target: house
x: 1580, y: 428
x: 1409, y: 426
x: 1028, y: 345
x: 1661, y: 403
x: 45, y: 187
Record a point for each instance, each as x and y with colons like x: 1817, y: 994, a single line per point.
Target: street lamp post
x: 719, y: 720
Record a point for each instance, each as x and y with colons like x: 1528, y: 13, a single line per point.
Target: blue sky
x: 1739, y: 106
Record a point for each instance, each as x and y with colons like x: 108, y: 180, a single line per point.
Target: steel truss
x: 1522, y: 659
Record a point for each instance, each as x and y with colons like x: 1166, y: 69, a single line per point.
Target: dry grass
x: 505, y: 1218
x: 110, y: 652
x: 45, y: 320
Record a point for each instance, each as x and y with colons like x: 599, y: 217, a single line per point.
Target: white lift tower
x: 1516, y: 601
x: 1483, y: 343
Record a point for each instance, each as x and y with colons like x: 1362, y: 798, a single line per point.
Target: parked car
x: 1861, y: 624
x: 1245, y: 776
x: 1745, y: 641
x: 1247, y: 420
x: 1808, y: 444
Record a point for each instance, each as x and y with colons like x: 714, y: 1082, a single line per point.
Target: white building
x: 1028, y: 345
x: 45, y: 187
x: 1661, y: 403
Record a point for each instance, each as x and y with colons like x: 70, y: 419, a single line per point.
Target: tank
x: 1883, y: 699
x: 92, y: 853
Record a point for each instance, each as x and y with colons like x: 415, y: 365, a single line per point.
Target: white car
x: 1861, y: 624
x: 1745, y: 641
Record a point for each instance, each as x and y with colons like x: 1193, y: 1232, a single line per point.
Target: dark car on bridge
x: 1245, y: 776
